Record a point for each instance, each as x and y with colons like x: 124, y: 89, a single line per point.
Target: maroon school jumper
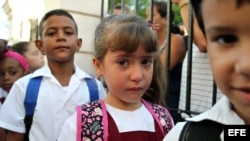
x: 95, y: 123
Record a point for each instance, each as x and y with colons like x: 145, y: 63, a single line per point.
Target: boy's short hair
x: 196, y: 4
x: 58, y: 12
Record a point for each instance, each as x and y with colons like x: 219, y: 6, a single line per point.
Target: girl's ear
x: 39, y: 45
x: 98, y: 66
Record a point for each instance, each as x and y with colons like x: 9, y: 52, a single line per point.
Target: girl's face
x: 127, y: 75
x: 59, y: 40
x: 34, y: 57
x: 10, y: 71
x: 227, y: 28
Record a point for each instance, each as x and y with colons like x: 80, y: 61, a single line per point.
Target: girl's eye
x: 226, y: 39
x: 12, y: 73
x: 147, y: 61
x: 122, y: 62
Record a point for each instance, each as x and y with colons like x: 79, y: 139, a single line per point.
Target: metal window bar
x: 189, y: 65
x: 168, y: 46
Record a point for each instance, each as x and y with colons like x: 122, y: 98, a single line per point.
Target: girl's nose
x: 136, y: 73
x: 6, y: 76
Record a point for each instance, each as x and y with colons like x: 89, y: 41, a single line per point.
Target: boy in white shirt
x: 63, y: 84
x: 226, y: 26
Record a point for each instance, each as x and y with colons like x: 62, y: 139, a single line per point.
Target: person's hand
x: 155, y: 26
x: 178, y: 2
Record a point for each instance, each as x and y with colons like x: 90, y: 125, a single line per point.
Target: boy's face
x: 59, y: 39
x: 227, y: 28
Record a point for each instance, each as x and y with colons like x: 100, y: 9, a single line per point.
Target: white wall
x: 86, y: 13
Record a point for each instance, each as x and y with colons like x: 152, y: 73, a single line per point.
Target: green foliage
x: 177, y: 15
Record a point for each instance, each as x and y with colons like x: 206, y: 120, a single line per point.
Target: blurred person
x: 12, y: 67
x: 3, y: 93
x: 177, y: 52
x: 118, y: 9
x: 3, y: 45
x: 33, y: 55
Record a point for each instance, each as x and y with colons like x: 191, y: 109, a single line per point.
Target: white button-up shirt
x: 55, y: 104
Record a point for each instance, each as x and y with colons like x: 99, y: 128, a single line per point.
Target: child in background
x: 63, y: 84
x: 12, y: 67
x: 3, y: 44
x: 226, y: 25
x: 31, y: 53
x: 126, y: 57
x: 118, y: 9
x: 3, y: 93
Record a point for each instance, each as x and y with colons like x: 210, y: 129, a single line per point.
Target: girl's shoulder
x: 161, y: 114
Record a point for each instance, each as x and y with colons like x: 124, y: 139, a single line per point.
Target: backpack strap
x: 161, y: 115
x: 93, y: 89
x: 32, y: 94
x: 30, y: 102
x: 91, y: 121
x: 205, y: 130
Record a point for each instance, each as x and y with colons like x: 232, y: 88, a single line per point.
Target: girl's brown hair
x: 126, y: 32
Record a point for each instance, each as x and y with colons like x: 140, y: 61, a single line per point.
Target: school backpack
x: 95, y: 118
x: 32, y: 94
x: 205, y: 130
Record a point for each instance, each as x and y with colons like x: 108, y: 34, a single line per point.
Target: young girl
x: 29, y: 50
x: 226, y: 25
x: 12, y: 67
x: 126, y: 57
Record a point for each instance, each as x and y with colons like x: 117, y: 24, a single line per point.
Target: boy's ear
x: 79, y: 44
x: 39, y: 45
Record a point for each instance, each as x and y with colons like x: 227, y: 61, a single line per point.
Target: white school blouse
x: 220, y: 112
x: 55, y: 104
x: 3, y: 94
x: 126, y: 121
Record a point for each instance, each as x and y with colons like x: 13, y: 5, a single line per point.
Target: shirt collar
x: 221, y: 112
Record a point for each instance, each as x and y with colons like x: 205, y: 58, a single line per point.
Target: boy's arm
x: 14, y: 136
x: 198, y: 36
